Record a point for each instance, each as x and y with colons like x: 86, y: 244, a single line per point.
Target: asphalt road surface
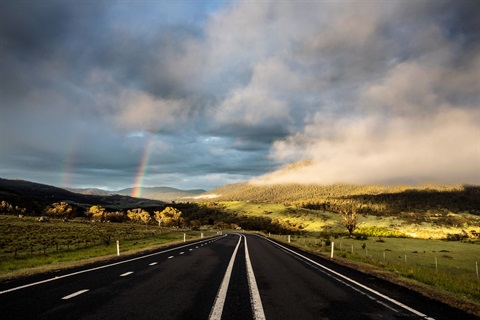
x: 234, y: 276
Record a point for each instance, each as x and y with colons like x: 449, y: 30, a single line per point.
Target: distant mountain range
x: 154, y: 193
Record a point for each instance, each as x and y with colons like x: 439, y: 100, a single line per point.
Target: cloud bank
x: 377, y: 92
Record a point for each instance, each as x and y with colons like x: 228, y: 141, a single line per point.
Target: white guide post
x: 476, y: 267
x: 288, y: 238
x: 118, y: 248
x: 184, y: 237
x: 331, y: 255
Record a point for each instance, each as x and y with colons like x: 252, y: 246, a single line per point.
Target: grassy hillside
x: 374, y: 199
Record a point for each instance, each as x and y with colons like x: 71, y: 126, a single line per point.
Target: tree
x: 169, y: 217
x: 96, y: 213
x: 60, y: 209
x: 349, y: 217
x: 7, y: 208
x: 139, y: 214
x: 116, y: 216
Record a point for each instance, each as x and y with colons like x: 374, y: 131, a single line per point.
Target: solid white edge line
x: 217, y: 309
x: 97, y: 268
x: 398, y: 303
x: 75, y: 294
x: 256, y: 301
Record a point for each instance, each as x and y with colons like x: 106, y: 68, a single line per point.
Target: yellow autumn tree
x: 169, y: 217
x: 96, y: 213
x: 59, y: 209
x: 139, y: 215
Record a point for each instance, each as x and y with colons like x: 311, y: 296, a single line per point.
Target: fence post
x: 476, y: 267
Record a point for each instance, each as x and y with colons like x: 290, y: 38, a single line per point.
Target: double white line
x: 257, y: 308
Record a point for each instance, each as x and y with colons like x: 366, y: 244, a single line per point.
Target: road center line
x: 74, y: 294
x: 217, y: 309
x: 170, y: 257
x: 153, y: 263
x: 126, y: 274
x: 255, y: 300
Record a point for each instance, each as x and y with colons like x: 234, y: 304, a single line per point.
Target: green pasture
x: 26, y: 243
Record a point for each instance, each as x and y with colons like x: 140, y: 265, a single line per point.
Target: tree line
x: 176, y: 215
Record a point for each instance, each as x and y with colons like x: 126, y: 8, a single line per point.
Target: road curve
x: 235, y: 276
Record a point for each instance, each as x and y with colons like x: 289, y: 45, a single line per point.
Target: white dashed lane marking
x: 170, y: 257
x: 153, y: 263
x: 74, y: 294
x: 126, y: 274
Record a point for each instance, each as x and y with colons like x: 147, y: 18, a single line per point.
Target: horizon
x: 197, y: 95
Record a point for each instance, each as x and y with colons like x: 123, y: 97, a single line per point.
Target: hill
x: 378, y: 199
x: 35, y: 197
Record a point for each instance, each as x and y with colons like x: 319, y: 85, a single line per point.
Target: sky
x: 198, y: 94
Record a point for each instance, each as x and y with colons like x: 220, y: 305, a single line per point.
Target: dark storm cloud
x: 211, y: 90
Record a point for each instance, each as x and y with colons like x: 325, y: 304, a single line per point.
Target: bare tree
x: 349, y: 213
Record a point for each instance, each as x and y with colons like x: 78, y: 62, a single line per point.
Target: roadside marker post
x: 201, y: 235
x: 476, y: 267
x: 118, y: 248
x: 184, y: 237
x: 331, y: 255
x: 288, y: 238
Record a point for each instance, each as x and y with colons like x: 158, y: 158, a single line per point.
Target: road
x: 234, y: 276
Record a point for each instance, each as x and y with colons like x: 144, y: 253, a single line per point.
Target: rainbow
x: 142, y: 168
x: 67, y: 166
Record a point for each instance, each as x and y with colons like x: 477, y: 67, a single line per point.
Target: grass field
x: 26, y: 243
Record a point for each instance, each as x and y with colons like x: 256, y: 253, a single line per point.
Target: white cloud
x: 445, y: 148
